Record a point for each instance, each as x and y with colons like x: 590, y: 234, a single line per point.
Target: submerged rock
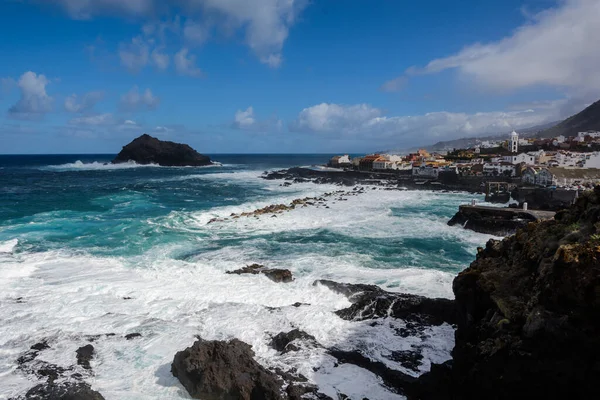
x: 149, y: 150
x: 219, y: 370
x: 274, y: 274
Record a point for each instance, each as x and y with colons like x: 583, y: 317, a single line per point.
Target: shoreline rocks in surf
x: 391, y: 181
x: 274, y: 274
x: 149, y: 150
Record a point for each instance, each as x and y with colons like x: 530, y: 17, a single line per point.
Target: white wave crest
x: 8, y: 246
x: 93, y: 166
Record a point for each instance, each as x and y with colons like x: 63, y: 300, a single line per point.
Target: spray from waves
x: 171, y: 301
x: 102, y: 166
x: 8, y: 246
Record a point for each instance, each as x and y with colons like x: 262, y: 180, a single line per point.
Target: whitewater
x: 89, y: 249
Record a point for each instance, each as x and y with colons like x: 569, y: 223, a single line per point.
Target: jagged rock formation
x: 370, y: 301
x: 274, y: 274
x: 149, y: 150
x: 501, y: 224
x: 285, y: 342
x: 529, y: 315
x: 216, y: 370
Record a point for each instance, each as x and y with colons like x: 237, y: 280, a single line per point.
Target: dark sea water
x: 78, y: 235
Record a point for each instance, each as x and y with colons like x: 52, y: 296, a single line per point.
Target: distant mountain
x: 465, y: 143
x: 586, y: 120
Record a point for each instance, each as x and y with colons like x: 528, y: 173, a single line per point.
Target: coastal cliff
x: 528, y: 315
x: 150, y: 150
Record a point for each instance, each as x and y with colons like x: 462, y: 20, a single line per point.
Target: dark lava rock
x: 395, y: 380
x: 370, y: 301
x: 62, y: 391
x: 85, y: 355
x: 283, y: 342
x: 274, y: 274
x: 408, y: 358
x: 219, y: 370
x: 528, y: 310
x: 499, y: 225
x: 130, y: 336
x: 43, y: 345
x: 149, y: 150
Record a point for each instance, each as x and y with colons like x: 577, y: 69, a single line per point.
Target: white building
x: 538, y: 176
x: 594, y: 134
x: 513, y: 143
x: 499, y: 169
x: 425, y: 171
x: 592, y: 160
x: 520, y: 158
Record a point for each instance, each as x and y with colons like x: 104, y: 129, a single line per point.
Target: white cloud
x: 264, y: 24
x: 557, y: 48
x: 34, y: 101
x: 135, y: 55
x: 369, y: 124
x: 186, y: 64
x: 245, y: 120
x: 106, y: 119
x: 160, y: 60
x: 87, y: 102
x: 84, y: 9
x: 133, y: 100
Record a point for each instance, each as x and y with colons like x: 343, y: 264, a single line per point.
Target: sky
x: 288, y: 76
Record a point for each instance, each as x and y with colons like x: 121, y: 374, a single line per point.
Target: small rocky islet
x: 146, y: 150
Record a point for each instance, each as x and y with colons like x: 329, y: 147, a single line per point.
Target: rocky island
x: 150, y: 150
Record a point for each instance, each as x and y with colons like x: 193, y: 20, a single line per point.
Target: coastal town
x: 560, y: 162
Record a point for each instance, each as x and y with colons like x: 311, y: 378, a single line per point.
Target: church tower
x: 513, y: 144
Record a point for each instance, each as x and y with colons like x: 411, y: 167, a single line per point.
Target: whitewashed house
x: 538, y: 176
x: 499, y: 169
x: 520, y: 158
x: 592, y: 160
x: 425, y: 171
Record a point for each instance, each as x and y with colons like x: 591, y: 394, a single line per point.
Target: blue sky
x: 287, y: 76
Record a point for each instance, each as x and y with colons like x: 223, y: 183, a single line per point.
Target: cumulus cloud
x: 133, y: 100
x: 557, y: 48
x: 369, y: 123
x: 264, y: 24
x: 75, y: 104
x: 245, y: 120
x: 34, y: 101
x: 134, y: 55
x: 185, y: 63
x: 160, y: 60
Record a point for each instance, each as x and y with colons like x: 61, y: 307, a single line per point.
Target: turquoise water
x: 76, y: 236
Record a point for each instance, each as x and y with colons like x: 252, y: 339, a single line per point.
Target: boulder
x: 62, y: 391
x: 219, y: 370
x: 149, y: 150
x: 85, y: 355
x: 283, y: 341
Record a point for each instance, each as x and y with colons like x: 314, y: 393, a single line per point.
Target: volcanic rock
x: 528, y: 308
x: 219, y: 370
x: 274, y: 274
x: 62, y: 391
x: 149, y: 150
x: 85, y: 355
x: 370, y: 301
x: 283, y: 342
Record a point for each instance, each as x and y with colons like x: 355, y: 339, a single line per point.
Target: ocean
x: 88, y: 248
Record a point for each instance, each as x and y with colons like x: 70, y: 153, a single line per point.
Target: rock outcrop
x: 528, y: 310
x: 285, y: 342
x: 62, y: 391
x: 370, y: 301
x: 501, y: 224
x: 217, y: 370
x: 149, y: 150
x: 274, y: 274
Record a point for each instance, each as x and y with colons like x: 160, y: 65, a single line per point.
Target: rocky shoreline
x: 525, y: 316
x: 400, y: 180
